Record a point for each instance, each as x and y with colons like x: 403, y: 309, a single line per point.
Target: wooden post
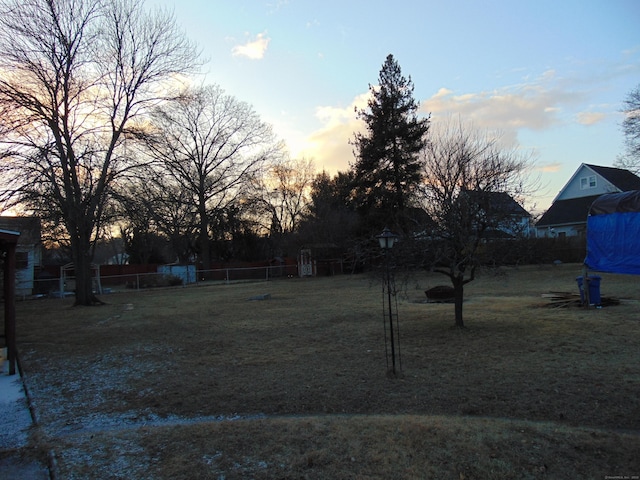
x: 585, y: 286
x: 10, y: 305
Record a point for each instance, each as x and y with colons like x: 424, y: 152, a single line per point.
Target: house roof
x: 28, y: 227
x: 498, y: 202
x: 623, y: 179
x: 563, y: 212
x: 8, y: 237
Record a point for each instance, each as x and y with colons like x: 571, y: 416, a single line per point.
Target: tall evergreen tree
x: 387, y: 168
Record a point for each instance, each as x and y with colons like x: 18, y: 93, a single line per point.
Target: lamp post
x: 387, y: 239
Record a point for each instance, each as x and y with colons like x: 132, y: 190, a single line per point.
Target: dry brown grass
x: 203, y: 383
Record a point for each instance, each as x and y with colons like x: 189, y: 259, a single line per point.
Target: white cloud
x: 536, y: 104
x: 505, y: 111
x: 443, y: 92
x: 509, y: 108
x: 329, y: 146
x: 590, y: 118
x: 550, y: 167
x: 253, y: 49
x: 539, y: 104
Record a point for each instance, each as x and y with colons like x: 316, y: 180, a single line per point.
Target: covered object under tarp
x: 613, y: 233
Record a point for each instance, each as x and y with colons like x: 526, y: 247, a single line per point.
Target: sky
x: 551, y: 76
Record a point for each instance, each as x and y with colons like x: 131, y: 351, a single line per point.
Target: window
x: 588, y: 182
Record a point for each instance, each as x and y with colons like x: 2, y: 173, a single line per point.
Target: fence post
x: 137, y: 281
x: 227, y: 275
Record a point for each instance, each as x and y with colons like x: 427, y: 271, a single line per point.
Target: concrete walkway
x: 15, y: 423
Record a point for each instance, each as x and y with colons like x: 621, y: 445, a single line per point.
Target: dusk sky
x: 550, y: 75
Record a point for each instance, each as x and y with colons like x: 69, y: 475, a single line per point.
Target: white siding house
x: 567, y: 216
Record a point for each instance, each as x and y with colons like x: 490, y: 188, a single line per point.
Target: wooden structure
x: 28, y: 251
x: 306, y: 264
x: 8, y: 243
x: 69, y: 268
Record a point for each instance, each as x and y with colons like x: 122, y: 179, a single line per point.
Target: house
x: 506, y: 217
x: 28, y: 250
x: 567, y: 216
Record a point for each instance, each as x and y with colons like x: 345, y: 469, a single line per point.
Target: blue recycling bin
x: 594, y: 289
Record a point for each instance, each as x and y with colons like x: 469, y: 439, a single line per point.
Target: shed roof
x: 8, y: 236
x: 29, y: 228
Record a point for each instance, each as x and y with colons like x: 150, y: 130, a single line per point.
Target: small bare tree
x: 469, y: 182
x: 76, y: 79
x: 284, y: 195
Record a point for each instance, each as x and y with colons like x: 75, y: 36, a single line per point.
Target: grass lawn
x: 202, y: 382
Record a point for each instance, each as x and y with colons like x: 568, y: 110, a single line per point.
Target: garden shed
x: 613, y: 233
x: 68, y: 280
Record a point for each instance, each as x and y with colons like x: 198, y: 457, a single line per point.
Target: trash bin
x: 594, y: 289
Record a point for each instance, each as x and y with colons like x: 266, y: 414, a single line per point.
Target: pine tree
x: 387, y: 169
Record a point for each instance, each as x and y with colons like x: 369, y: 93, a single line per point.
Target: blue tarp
x: 186, y: 272
x: 613, y: 234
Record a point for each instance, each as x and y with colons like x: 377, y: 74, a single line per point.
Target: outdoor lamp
x: 387, y: 239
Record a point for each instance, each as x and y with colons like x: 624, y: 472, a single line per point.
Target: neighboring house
x: 507, y: 217
x: 28, y: 250
x: 567, y: 216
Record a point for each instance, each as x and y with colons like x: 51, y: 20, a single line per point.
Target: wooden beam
x: 8, y: 243
x: 10, y: 305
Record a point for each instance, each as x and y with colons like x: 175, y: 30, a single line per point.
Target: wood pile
x: 567, y: 299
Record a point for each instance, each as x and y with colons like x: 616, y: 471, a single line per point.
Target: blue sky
x: 550, y: 75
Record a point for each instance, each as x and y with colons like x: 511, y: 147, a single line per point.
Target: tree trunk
x: 458, y: 298
x: 81, y: 250
x: 203, y: 239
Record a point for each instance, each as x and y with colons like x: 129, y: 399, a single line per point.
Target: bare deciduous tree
x: 469, y: 182
x: 76, y: 79
x: 214, y: 147
x: 631, y: 129
x: 153, y: 208
x: 284, y: 195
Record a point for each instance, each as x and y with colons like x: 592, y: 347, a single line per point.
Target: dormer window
x: 588, y: 182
